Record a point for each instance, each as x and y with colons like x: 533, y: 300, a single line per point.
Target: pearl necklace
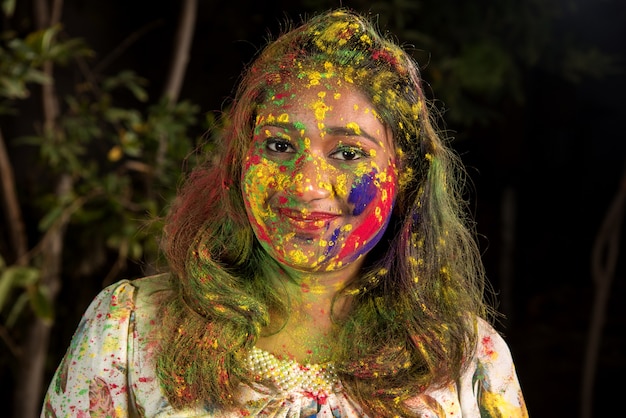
x: 289, y: 375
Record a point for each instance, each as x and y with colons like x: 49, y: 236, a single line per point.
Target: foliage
x: 123, y: 152
x: 111, y: 153
x: 25, y: 278
x: 22, y: 59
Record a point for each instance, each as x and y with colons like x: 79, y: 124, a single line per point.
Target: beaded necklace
x: 319, y: 380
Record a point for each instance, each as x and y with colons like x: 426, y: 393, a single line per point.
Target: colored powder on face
x: 368, y: 245
x: 341, y: 185
x: 332, y: 241
x: 298, y: 256
x: 368, y: 233
x: 363, y: 193
x: 261, y: 176
x: 355, y: 127
x: 364, y: 168
x: 320, y: 108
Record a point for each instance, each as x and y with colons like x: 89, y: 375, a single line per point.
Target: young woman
x: 321, y: 265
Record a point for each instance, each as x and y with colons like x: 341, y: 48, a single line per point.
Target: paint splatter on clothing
x: 108, y: 371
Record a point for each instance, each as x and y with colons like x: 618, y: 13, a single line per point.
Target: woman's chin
x: 313, y: 264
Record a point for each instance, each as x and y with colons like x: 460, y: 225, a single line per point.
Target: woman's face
x: 319, y: 179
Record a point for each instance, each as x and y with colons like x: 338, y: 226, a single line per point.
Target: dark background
x: 559, y: 154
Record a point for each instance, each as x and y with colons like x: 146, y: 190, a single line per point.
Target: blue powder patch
x: 363, y: 193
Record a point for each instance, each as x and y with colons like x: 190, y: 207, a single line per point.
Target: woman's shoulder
x: 131, y: 290
x: 149, y: 286
x: 490, y: 345
x: 151, y: 292
x: 125, y: 298
x: 492, y: 383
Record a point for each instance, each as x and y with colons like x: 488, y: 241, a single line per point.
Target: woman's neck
x: 308, y: 334
x: 320, y: 286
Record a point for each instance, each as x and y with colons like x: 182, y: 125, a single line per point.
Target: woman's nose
x: 312, y: 178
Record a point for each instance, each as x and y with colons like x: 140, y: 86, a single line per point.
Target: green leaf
x: 136, y: 250
x: 129, y: 80
x: 36, y: 76
x: 62, y: 52
x: 17, y: 309
x: 8, y: 7
x: 25, y: 276
x: 48, y: 220
x: 41, y: 40
x: 41, y: 303
x: 13, y: 88
x: 16, y: 276
x: 6, y: 284
x: 139, y: 92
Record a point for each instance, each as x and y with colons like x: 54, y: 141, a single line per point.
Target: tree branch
x: 15, y: 221
x: 176, y: 76
x: 605, y: 254
x: 181, y: 48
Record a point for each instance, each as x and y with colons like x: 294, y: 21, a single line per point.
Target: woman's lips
x: 310, y: 221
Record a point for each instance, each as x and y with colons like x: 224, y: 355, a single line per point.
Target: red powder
x: 255, y: 159
x: 488, y: 346
x: 385, y: 56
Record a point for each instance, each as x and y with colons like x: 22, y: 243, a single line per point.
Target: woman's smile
x: 308, y: 221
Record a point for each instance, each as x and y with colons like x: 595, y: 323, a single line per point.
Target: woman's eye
x: 348, y: 154
x: 279, y: 145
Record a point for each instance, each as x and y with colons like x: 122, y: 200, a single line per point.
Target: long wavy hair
x: 412, y: 321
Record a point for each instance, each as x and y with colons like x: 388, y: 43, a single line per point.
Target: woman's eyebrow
x: 333, y: 130
x: 279, y: 124
x: 350, y: 131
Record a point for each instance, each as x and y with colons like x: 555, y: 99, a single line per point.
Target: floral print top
x: 108, y: 371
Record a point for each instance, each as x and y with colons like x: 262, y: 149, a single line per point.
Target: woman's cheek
x: 375, y: 188
x: 259, y: 183
x: 372, y: 197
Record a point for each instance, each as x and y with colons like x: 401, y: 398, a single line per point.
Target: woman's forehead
x: 324, y: 108
x: 325, y: 99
